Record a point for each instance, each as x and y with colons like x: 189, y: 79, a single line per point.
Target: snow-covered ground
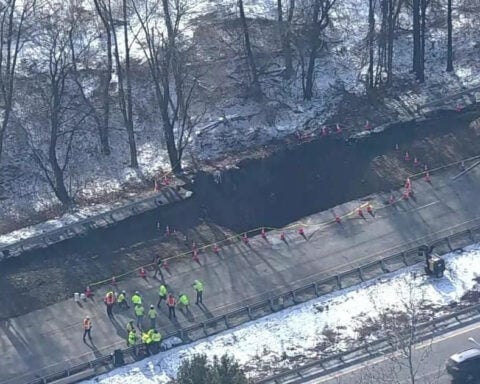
x: 24, y: 192
x: 329, y: 324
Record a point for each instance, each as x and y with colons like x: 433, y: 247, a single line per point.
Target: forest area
x: 100, y: 97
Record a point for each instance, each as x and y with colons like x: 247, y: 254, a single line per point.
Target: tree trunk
x: 255, y: 85
x: 106, y: 80
x: 449, y: 37
x: 58, y: 176
x: 423, y: 28
x: 285, y: 41
x: 390, y: 40
x: 129, y: 123
x: 371, y: 34
x: 416, y: 37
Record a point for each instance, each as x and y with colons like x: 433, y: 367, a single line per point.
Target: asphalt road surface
x: 50, y: 339
x: 428, y: 362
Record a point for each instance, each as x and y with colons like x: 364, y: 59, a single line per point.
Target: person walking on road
x: 183, y: 301
x: 122, y: 300
x: 171, y: 303
x: 157, y: 264
x: 136, y: 298
x: 87, y: 328
x: 109, y: 301
x: 162, y: 294
x: 132, y: 338
x: 139, y: 312
x: 198, y: 286
x: 130, y: 326
x: 152, y: 315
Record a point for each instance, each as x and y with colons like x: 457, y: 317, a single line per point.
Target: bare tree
x: 102, y: 9
x: 124, y: 78
x: 319, y: 20
x: 58, y: 101
x: 12, y: 20
x: 285, y: 35
x: 171, y: 72
x: 449, y: 37
x: 371, y: 43
x: 254, y: 82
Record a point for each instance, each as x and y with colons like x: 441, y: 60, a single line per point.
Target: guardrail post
x: 204, y: 325
x: 294, y: 298
x: 383, y: 267
x: 360, y: 273
x: 270, y: 301
x: 315, y: 287
x: 226, y: 321
x: 249, y: 313
x: 404, y: 259
x: 339, y: 283
x: 448, y: 243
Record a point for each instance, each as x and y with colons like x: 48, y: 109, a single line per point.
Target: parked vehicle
x: 464, y: 367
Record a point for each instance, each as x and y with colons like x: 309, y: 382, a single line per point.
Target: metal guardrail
x: 451, y: 242
x: 166, y: 196
x: 329, y: 364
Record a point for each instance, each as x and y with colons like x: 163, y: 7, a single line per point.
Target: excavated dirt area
x: 293, y: 181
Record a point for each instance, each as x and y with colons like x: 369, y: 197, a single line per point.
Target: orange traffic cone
x: 167, y: 230
x: 282, y: 236
x: 264, y: 235
x: 324, y: 131
x: 156, y: 187
x: 458, y: 108
x: 338, y: 129
x: 165, y: 265
x: 425, y: 167
x: 397, y: 148
x: 143, y: 273
x: 301, y: 232
x: 337, y: 219
x: 88, y: 291
x: 195, y: 256
x: 407, y: 156
x: 368, y: 126
x: 215, y: 249
x: 245, y: 238
x: 391, y: 200
x: 416, y: 163
x: 360, y: 212
x: 427, y: 177
x: 166, y: 180
x: 406, y: 194
x: 114, y: 280
x: 369, y: 209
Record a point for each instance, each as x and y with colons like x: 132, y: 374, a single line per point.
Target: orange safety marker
x: 263, y: 233
x: 337, y: 219
x: 88, y: 291
x: 165, y: 265
x: 425, y: 167
x: 407, y: 156
x: 406, y: 194
x: 427, y: 177
x: 301, y: 232
x: 245, y: 238
x: 114, y: 280
x: 215, y: 249
x: 391, y: 200
x: 458, y: 108
x: 408, y: 183
x: 156, y: 187
x: 194, y: 245
x: 143, y: 273
x: 167, y: 230
x: 397, y: 148
x: 282, y: 236
x: 195, y: 256
x: 166, y: 180
x: 368, y: 126
x: 338, y: 128
x: 416, y: 162
x: 369, y: 209
x: 360, y: 212
x: 324, y: 131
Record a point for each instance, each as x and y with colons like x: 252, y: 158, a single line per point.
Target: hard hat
x: 87, y: 317
x: 151, y: 306
x: 136, y: 292
x: 124, y: 292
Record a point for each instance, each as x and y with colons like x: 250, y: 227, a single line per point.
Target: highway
x: 428, y: 363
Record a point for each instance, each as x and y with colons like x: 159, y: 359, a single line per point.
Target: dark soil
x: 295, y: 181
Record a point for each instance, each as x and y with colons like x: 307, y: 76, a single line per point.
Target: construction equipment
x: 435, y: 265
